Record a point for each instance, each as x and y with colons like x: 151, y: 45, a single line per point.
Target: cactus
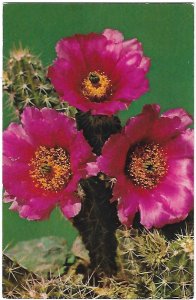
x: 56, y: 288
x: 176, y: 279
x: 18, y: 282
x: 122, y: 263
x: 98, y: 220
x: 97, y: 129
x: 25, y: 82
x: 14, y: 275
x: 149, y: 267
x: 151, y: 248
x: 166, y: 267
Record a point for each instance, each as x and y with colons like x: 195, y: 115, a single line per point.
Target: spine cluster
x: 156, y: 267
x: 26, y: 84
x: 150, y: 267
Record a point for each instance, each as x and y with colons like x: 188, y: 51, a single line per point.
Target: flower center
x: 50, y: 168
x: 146, y: 165
x: 97, y: 87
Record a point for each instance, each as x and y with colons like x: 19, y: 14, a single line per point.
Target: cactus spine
x: 145, y: 272
x: 166, y: 267
x: 26, y: 84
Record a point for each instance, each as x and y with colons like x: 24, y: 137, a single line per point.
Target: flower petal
x: 92, y: 169
x: 127, y: 198
x: 153, y: 212
x: 140, y: 127
x: 16, y: 143
x: 113, y: 35
x: 50, y: 129
x: 181, y: 146
x: 172, y: 199
x: 121, y: 61
x: 164, y: 129
x: 110, y: 161
x: 71, y: 207
x: 36, y: 209
x: 185, y: 118
x: 176, y: 191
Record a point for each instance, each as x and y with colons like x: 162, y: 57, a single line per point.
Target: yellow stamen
x: 96, y: 87
x: 146, y: 165
x: 50, y: 168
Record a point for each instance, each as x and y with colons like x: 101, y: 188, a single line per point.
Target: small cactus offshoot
x: 25, y: 82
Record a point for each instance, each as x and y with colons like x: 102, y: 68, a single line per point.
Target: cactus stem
x: 98, y: 219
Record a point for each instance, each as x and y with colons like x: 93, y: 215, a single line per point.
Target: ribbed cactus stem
x: 26, y: 83
x: 97, y: 129
x: 97, y: 223
x: 98, y: 220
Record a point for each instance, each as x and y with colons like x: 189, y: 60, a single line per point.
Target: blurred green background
x: 166, y: 32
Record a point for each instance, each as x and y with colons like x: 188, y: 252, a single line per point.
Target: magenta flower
x: 100, y: 73
x: 44, y: 159
x: 152, y: 161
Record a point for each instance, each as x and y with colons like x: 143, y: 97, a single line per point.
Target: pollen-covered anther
x: 97, y: 86
x: 146, y: 165
x: 50, y: 168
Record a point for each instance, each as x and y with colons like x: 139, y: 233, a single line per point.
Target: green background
x: 166, y: 32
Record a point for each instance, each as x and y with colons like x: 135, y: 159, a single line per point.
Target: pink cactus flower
x: 152, y: 161
x: 100, y: 73
x: 44, y: 159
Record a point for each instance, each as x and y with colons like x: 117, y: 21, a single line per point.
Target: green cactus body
x: 25, y: 82
x: 157, y: 268
x: 131, y: 260
x: 176, y: 278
